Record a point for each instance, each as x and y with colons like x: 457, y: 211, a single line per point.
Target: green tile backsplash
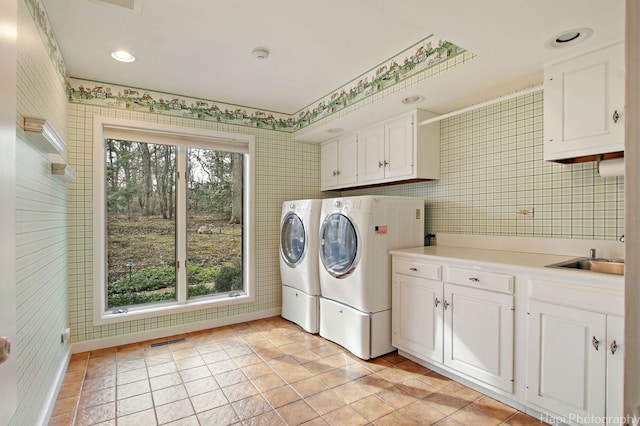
x: 492, y: 168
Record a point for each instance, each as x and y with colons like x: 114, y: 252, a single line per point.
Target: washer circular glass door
x: 293, y: 240
x: 339, y: 251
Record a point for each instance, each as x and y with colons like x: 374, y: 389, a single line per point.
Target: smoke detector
x: 260, y: 53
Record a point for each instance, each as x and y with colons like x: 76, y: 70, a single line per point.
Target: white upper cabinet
x: 339, y: 162
x: 584, y: 105
x: 396, y: 150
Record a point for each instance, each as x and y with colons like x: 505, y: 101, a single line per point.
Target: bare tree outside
x: 141, y: 222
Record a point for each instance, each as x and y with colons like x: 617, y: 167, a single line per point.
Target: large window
x: 172, y: 208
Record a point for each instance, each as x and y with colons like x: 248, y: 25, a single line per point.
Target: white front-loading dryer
x: 299, y: 226
x: 356, y: 234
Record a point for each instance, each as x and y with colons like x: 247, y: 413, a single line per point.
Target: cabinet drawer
x: 502, y: 283
x: 431, y: 271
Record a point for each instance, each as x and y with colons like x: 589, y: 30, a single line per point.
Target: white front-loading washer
x: 299, y: 226
x: 356, y: 234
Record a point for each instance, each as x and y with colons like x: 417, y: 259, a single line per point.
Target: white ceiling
x: 202, y: 48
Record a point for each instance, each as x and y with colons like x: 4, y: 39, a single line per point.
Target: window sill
x: 163, y: 309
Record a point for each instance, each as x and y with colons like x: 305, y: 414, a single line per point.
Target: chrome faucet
x: 592, y: 254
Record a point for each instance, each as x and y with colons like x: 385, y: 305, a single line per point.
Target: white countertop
x: 506, y: 260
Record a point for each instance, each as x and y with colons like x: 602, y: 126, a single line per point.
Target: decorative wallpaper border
x: 46, y: 31
x: 415, y: 60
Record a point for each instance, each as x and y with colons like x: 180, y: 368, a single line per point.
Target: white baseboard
x: 45, y: 415
x: 93, y: 345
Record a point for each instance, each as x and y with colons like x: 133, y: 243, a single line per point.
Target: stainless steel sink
x: 607, y: 266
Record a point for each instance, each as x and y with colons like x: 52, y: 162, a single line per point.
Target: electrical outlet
x: 525, y: 212
x: 66, y: 335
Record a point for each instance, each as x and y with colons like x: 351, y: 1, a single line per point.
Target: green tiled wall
x: 285, y: 170
x: 492, y: 168
x: 41, y: 230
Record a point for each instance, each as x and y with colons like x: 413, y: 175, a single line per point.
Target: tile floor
x: 265, y: 372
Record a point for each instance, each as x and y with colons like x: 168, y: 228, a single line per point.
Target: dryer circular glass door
x: 339, y: 239
x: 293, y: 240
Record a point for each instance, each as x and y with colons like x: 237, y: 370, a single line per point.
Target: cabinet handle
x: 613, y: 347
x: 380, y: 164
x: 335, y: 173
x: 446, y: 304
x: 386, y: 163
x: 437, y: 302
x: 338, y: 172
x: 413, y: 269
x: 615, y: 116
x: 595, y: 342
x: 474, y: 279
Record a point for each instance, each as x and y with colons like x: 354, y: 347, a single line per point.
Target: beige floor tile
x: 264, y: 372
x: 98, y: 397
x: 281, y: 396
x: 200, y: 386
x: 174, y: 411
x: 396, y: 397
x: 240, y: 391
x: 421, y: 412
x: 494, y: 408
x: 195, y: 373
x: 208, y: 401
x: 134, y: 404
x: 132, y: 389
x: 345, y: 416
x: 296, y: 413
x: 97, y: 414
x: 224, y: 415
x: 146, y: 417
x: 250, y: 407
x: 472, y: 415
x: 170, y: 394
x: 372, y: 408
x: 308, y: 387
x: 325, y: 402
x: 395, y: 419
x: 165, y: 381
x: 267, y: 382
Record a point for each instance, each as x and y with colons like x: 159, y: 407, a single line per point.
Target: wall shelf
x: 41, y: 134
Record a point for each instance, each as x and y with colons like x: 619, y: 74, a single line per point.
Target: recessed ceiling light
x: 335, y: 130
x: 260, y: 52
x: 123, y: 56
x: 412, y: 99
x: 569, y: 38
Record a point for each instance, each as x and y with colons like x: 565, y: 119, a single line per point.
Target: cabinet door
x: 615, y: 367
x: 329, y: 164
x: 371, y: 161
x: 581, y: 97
x: 348, y: 160
x: 399, y: 143
x: 478, y: 337
x: 417, y: 316
x: 566, y: 372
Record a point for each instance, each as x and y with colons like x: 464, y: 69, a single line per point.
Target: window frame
x: 197, y: 138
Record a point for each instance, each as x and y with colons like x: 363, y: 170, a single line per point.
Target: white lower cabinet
x: 478, y: 337
x: 575, y: 353
x: 466, y: 326
x: 418, y: 320
x: 561, y: 354
x: 566, y: 369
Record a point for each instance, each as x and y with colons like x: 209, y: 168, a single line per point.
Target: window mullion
x: 181, y: 225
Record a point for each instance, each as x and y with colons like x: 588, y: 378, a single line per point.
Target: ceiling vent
x: 130, y: 5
